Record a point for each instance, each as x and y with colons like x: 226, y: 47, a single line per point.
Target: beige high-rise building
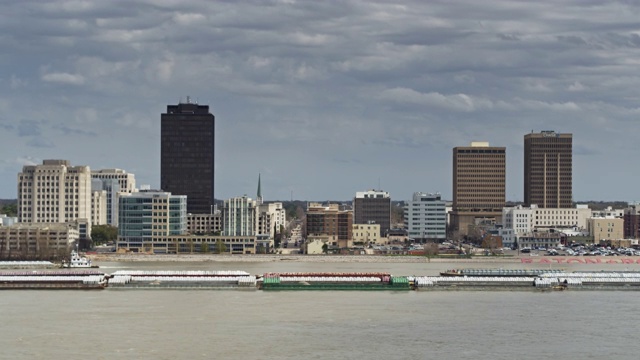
x: 478, y: 186
x: 548, y: 169
x: 54, y: 192
x: 126, y: 180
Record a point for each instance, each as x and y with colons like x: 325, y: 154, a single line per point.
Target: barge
x: 334, y: 281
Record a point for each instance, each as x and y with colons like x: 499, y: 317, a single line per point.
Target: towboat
x: 78, y: 261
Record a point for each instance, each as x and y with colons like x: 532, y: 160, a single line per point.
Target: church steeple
x: 259, y: 195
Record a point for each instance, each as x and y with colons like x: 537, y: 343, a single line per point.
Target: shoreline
x: 524, y: 260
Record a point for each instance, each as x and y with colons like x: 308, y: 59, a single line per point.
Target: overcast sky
x: 324, y: 98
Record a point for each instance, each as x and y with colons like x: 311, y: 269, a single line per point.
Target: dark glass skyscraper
x: 187, y: 154
x: 548, y: 171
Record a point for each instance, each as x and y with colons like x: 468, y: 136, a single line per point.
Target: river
x: 228, y: 324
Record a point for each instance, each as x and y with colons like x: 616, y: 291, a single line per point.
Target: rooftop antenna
x: 188, y: 99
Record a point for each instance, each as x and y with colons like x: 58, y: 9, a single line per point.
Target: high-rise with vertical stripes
x: 548, y: 171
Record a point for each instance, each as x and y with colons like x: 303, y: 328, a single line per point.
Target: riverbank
x: 374, y: 259
x: 288, y: 258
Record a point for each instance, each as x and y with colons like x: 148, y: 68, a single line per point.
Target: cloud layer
x: 323, y: 98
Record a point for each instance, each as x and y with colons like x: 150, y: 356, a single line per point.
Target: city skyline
x: 323, y: 99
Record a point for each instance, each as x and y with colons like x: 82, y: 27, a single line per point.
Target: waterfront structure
x: 147, y: 217
x: 187, y: 154
x: 632, y: 221
x: 37, y: 240
x: 201, y: 224
x: 373, y: 207
x: 239, y: 217
x: 478, y: 186
x: 366, y: 234
x: 548, y: 169
x: 330, y: 222
x: 425, y: 217
x: 524, y: 220
x: 605, y: 228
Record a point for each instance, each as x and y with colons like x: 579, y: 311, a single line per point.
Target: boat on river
x: 78, y: 261
x: 500, y: 272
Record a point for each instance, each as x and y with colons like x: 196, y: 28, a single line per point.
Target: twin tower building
x: 479, y: 178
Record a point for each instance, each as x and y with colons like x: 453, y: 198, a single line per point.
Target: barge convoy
x: 491, y: 279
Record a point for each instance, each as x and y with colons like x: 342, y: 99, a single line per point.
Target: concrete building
x: 239, y: 217
x: 425, y: 217
x: 364, y: 234
x: 204, y: 224
x: 114, y: 182
x: 536, y: 240
x: 548, y: 171
x: 331, y: 222
x: 187, y: 154
x: 126, y: 181
x: 373, y: 207
x: 190, y: 244
x: 478, y: 186
x: 54, y: 192
x: 148, y: 217
x: 37, y: 240
x: 524, y: 220
x: 7, y: 220
x: 98, y: 203
x: 605, y: 228
x: 608, y: 212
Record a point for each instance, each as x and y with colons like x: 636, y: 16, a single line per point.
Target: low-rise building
x: 37, y: 240
x: 536, y: 240
x: 607, y: 228
x: 364, y: 234
x: 425, y: 217
x: 204, y: 224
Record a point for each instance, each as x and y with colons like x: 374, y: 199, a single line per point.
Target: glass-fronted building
x: 146, y: 218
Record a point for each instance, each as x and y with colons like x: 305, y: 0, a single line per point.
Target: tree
x: 10, y: 210
x: 205, y: 248
x: 102, y: 234
x: 220, y: 247
x: 325, y: 248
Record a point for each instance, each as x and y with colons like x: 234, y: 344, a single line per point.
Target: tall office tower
x: 187, y: 155
x: 54, y: 192
x: 373, y: 207
x: 478, y: 186
x: 425, y: 217
x: 548, y: 170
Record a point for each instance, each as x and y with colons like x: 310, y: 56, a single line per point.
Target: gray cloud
x: 382, y: 84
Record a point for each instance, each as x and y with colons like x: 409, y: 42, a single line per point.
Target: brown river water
x: 233, y: 324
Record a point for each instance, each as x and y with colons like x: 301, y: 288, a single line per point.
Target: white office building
x: 239, y: 217
x: 425, y: 217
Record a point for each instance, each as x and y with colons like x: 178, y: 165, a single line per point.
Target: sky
x: 324, y: 98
